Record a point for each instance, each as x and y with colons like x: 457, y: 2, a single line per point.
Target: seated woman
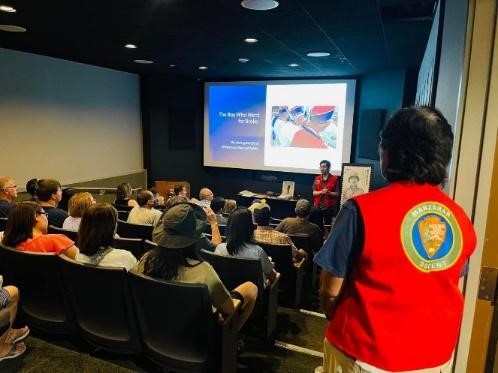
x: 123, y: 196
x: 230, y: 206
x: 26, y: 230
x: 67, y: 194
x: 240, y: 230
x: 177, y: 259
x: 11, y: 344
x: 78, y: 204
x: 96, y: 237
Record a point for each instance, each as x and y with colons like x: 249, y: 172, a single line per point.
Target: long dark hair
x: 123, y: 191
x: 164, y: 263
x: 20, y: 224
x: 418, y: 142
x: 97, y: 228
x: 240, y: 229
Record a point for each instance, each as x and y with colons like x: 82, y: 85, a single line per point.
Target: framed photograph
x: 287, y: 189
x: 356, y: 179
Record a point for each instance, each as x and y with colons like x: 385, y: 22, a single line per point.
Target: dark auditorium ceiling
x: 362, y: 36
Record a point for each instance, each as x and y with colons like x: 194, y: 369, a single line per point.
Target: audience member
x: 389, y: 279
x: 301, y: 224
x: 202, y: 217
x: 96, y: 237
x: 180, y: 190
x: 31, y: 187
x: 67, y: 193
x: 177, y: 259
x: 230, y: 206
x: 205, y: 197
x: 217, y: 205
x: 158, y: 199
x: 49, y: 194
x: 240, y: 244
x: 11, y: 345
x: 78, y: 204
x: 144, y: 213
x: 123, y: 196
x: 26, y: 230
x: 8, y: 192
x: 264, y: 233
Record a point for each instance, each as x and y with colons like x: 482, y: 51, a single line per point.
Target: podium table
x: 280, y: 208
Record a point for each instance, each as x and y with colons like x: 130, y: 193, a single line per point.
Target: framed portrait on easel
x: 356, y: 179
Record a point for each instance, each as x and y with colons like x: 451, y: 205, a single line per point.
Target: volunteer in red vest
x: 392, y: 264
x: 325, y: 192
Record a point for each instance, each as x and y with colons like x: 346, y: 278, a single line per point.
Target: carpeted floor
x: 59, y: 354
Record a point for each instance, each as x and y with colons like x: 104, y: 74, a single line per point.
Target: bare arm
x: 70, y: 252
x: 215, y: 230
x: 330, y: 287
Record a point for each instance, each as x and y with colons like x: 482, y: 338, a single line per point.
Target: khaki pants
x: 334, y: 361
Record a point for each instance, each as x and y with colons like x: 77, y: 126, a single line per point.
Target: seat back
x: 72, y: 235
x: 44, y: 304
x: 123, y: 215
x: 129, y: 230
x: 303, y: 241
x: 102, y: 305
x: 133, y: 245
x: 122, y: 207
x: 3, y: 224
x: 176, y: 322
x: 235, y: 271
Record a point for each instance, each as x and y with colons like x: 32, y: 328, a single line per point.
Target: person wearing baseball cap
x: 176, y: 258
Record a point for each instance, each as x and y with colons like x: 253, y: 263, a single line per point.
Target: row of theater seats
x: 172, y: 324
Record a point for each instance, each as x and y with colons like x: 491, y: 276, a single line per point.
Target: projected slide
x: 281, y: 126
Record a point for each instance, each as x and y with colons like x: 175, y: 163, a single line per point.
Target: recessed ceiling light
x: 293, y: 65
x: 172, y: 65
x: 7, y: 9
x: 259, y: 4
x: 318, y: 54
x: 243, y: 60
x: 12, y: 28
x: 203, y: 67
x: 131, y: 46
x: 251, y: 40
x: 145, y: 62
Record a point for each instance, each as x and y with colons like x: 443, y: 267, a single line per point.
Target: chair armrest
x: 274, y: 284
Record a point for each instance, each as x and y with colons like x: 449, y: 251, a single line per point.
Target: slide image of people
x: 355, y: 181
x: 304, y: 126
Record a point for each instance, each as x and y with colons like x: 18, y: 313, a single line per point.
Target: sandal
x: 16, y: 350
x: 17, y: 335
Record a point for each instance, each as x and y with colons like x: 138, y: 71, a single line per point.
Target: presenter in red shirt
x: 325, y: 192
x: 392, y: 264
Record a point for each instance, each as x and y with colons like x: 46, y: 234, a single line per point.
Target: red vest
x: 401, y: 307
x: 330, y: 184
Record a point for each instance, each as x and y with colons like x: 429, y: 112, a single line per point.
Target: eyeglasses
x: 42, y: 213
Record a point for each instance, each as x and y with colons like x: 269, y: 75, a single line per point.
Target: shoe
x: 16, y: 350
x: 17, y: 335
x: 319, y: 369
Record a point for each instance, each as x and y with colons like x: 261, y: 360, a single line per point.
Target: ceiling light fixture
x: 243, y: 60
x: 318, y: 54
x: 251, y: 40
x: 293, y: 65
x: 7, y: 9
x: 144, y: 62
x: 172, y: 65
x: 12, y: 28
x: 203, y: 67
x: 131, y: 46
x: 259, y: 4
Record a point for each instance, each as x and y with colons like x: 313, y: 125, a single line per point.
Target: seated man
x: 205, y: 197
x: 144, y: 213
x: 11, y: 344
x: 264, y: 233
x: 301, y: 224
x: 217, y: 205
x: 49, y: 195
x: 8, y: 192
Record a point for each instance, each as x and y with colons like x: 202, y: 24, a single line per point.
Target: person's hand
x: 324, y: 191
x: 211, y: 216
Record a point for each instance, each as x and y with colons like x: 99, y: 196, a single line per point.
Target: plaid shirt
x: 266, y: 234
